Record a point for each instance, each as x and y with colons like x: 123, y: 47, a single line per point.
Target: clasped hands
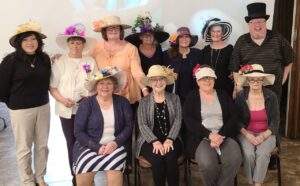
x: 215, y: 139
x: 107, y: 148
x: 159, y: 148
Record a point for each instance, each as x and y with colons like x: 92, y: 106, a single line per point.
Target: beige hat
x: 160, y: 71
x: 30, y: 26
x: 107, y: 22
x: 106, y: 73
x: 254, y: 70
x: 202, y: 72
x: 75, y: 30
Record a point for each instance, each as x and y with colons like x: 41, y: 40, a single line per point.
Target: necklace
x: 214, y: 65
x: 160, y: 114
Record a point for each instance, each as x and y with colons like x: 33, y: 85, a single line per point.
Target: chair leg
x: 278, y: 171
x: 128, y: 179
x: 236, y: 180
x: 189, y: 173
x: 135, y: 173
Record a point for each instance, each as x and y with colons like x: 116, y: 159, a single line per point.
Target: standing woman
x: 147, y: 37
x: 182, y: 58
x: 69, y: 74
x: 259, y: 121
x: 159, y: 119
x: 113, y: 50
x: 103, y: 125
x: 217, y: 53
x: 25, y: 76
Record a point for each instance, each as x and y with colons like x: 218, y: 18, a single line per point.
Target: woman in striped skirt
x: 103, y: 124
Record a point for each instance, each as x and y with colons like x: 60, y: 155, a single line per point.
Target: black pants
x: 163, y: 167
x: 68, y: 129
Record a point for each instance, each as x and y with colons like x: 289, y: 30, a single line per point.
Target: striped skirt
x: 90, y: 161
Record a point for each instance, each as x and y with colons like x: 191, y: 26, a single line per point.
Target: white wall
x: 55, y: 15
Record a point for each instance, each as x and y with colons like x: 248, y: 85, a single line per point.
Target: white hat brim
x: 61, y: 41
x: 269, y: 79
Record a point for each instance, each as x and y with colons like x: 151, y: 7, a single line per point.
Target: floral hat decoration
x: 162, y: 71
x: 226, y: 29
x: 254, y: 70
x: 173, y: 39
x: 104, y: 73
x: 74, y: 30
x: 108, y: 21
x: 30, y: 26
x: 144, y: 24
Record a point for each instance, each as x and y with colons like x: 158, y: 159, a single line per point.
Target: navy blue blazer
x: 88, y: 126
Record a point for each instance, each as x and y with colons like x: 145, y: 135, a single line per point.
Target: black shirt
x: 184, y: 68
x: 161, y: 121
x: 273, y: 54
x: 219, y: 60
x: 156, y: 59
x: 25, y: 81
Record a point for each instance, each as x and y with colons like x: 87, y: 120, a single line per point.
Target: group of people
x: 182, y: 98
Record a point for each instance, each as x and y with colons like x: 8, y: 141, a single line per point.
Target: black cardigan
x: 193, y: 120
x: 271, y: 105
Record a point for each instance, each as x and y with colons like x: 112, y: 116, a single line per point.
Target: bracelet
x: 145, y: 88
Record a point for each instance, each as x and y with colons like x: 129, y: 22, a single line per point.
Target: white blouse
x: 109, y: 125
x: 69, y: 77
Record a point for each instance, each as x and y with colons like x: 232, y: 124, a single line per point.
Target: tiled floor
x: 58, y: 169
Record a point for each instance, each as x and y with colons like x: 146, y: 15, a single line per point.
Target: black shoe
x: 74, y: 181
x: 272, y: 164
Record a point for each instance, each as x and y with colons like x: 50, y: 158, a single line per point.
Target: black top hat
x: 256, y: 10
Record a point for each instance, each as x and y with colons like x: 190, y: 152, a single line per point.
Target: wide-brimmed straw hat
x: 75, y: 30
x: 203, y: 71
x: 160, y: 71
x: 144, y: 24
x: 30, y: 26
x: 105, y: 73
x: 255, y: 11
x: 181, y: 32
x: 226, y: 29
x: 254, y: 71
x: 108, y: 21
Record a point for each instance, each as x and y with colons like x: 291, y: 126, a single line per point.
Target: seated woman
x: 259, y: 120
x: 103, y: 124
x: 209, y: 116
x: 159, y: 120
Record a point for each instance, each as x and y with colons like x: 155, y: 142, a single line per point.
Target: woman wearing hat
x: 25, y: 75
x: 182, y: 58
x: 217, y: 54
x: 114, y: 51
x: 209, y: 116
x: 103, y: 124
x: 69, y: 74
x: 258, y: 121
x: 159, y: 120
x: 147, y: 38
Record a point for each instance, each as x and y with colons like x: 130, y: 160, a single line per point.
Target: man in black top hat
x: 263, y: 46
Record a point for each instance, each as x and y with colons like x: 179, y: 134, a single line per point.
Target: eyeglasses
x: 157, y: 79
x: 207, y: 78
x: 113, y: 28
x: 256, y: 80
x: 257, y: 21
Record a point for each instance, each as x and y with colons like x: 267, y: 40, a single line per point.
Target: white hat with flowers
x: 254, y: 71
x: 74, y: 30
x: 105, y: 73
x: 108, y: 21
